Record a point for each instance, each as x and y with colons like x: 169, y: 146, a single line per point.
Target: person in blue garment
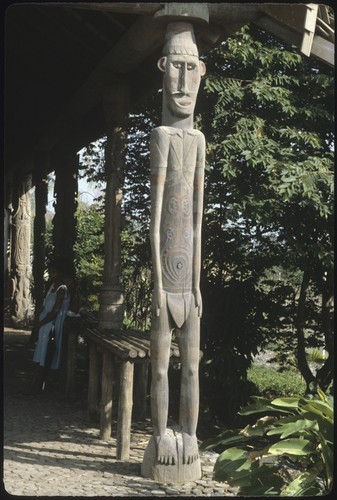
x: 55, y: 309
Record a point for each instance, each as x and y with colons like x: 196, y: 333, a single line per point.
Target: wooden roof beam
x: 218, y: 12
x: 144, y: 36
x: 321, y: 48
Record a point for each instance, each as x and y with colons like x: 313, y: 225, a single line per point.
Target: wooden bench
x: 126, y: 347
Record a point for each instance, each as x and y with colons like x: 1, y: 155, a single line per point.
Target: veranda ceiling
x: 57, y: 56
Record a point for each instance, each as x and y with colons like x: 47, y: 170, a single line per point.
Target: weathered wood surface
x: 106, y: 398
x: 128, y: 343
x: 167, y: 473
x: 128, y: 348
x: 229, y: 12
x: 71, y: 364
x: 124, y: 411
x: 111, y: 342
x: 41, y: 200
x: 20, y: 306
x: 140, y: 391
x: 93, y: 381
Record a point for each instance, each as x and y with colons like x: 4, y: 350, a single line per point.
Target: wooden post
x: 41, y: 199
x: 71, y: 346
x: 106, y: 397
x: 116, y: 106
x: 124, y: 411
x: 140, y: 390
x: 65, y: 192
x: 8, y: 231
x: 20, y: 253
x: 93, y: 381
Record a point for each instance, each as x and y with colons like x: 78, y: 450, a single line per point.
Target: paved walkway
x: 50, y: 448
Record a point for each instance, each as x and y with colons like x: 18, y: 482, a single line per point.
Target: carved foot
x: 166, y: 449
x: 191, y: 451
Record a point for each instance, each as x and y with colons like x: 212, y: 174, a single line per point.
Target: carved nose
x: 183, y: 79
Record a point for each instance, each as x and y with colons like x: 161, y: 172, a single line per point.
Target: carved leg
x: 160, y: 356
x: 188, y: 340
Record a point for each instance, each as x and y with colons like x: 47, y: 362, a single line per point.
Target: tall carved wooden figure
x: 177, y: 182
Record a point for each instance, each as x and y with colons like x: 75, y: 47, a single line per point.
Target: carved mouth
x: 183, y: 102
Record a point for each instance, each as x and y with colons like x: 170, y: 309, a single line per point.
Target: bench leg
x: 106, y: 398
x: 140, y: 391
x: 124, y: 411
x: 71, y: 365
x: 93, y: 381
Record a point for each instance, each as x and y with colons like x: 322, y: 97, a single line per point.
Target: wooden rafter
x: 139, y: 41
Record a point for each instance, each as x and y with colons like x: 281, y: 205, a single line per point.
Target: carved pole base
x: 164, y: 473
x: 111, y: 311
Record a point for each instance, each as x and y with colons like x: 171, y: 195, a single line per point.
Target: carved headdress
x: 179, y: 39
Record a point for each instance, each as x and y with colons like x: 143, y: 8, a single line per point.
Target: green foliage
x: 136, y: 279
x: 268, y: 199
x: 267, y: 114
x: 271, y: 382
x: 229, y: 336
x: 287, y: 452
x: 89, y: 252
x: 315, y: 355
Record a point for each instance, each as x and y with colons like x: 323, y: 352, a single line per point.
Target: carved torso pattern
x: 177, y: 151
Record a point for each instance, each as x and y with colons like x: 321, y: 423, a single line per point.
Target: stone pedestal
x: 177, y: 473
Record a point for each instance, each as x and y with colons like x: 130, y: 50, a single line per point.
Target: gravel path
x: 51, y: 449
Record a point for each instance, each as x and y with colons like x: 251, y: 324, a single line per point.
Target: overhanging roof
x: 57, y: 56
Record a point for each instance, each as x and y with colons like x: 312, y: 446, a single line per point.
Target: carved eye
x: 177, y: 65
x: 191, y: 66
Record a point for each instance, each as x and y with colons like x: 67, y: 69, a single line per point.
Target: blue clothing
x: 42, y: 343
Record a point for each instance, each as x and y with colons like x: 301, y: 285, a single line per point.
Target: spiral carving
x: 176, y: 265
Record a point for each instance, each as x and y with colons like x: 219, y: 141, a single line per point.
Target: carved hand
x: 198, y: 300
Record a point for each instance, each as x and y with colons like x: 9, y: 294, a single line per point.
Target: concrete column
x: 20, y: 306
x: 116, y: 102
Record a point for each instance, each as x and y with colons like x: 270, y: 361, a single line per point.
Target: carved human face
x: 182, y: 75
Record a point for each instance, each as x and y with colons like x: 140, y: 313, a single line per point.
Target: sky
x: 85, y: 191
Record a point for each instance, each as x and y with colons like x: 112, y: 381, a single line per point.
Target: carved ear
x: 202, y: 67
x: 162, y: 64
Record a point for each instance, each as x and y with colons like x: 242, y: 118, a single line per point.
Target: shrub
x: 287, y: 452
x: 271, y: 383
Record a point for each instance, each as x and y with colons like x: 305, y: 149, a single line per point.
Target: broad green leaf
x: 289, y: 428
x: 257, y: 430
x: 231, y: 465
x: 236, y: 467
x: 304, y: 484
x: 292, y: 446
x: 318, y: 407
x: 226, y: 438
x: 263, y: 407
x: 328, y: 459
x: 290, y: 403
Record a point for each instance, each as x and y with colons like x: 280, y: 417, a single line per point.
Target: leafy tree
x: 266, y: 112
x: 89, y: 254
